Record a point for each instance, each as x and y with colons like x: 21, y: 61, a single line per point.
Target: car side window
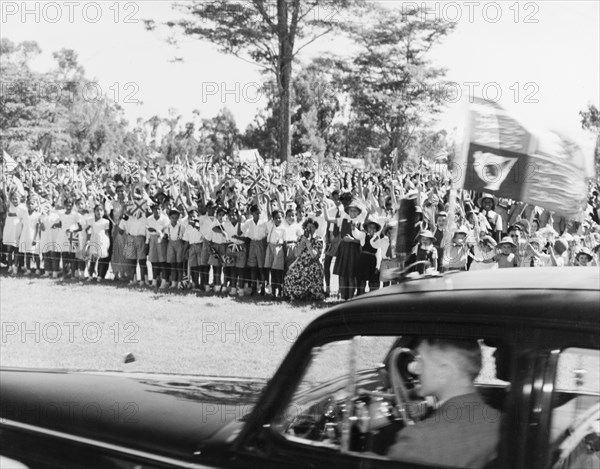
x: 393, y: 397
x: 320, y: 421
x: 575, y: 424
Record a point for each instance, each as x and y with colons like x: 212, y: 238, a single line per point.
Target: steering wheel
x: 401, y: 357
x: 325, y: 426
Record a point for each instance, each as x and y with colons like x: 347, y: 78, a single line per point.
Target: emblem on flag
x: 492, y: 169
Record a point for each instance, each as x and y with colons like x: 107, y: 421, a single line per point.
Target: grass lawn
x: 55, y: 324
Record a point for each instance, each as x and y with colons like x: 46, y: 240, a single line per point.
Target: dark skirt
x: 367, y: 265
x: 346, y: 262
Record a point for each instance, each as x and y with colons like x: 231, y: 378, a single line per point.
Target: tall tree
x: 392, y: 84
x: 52, y: 113
x: 316, y: 103
x: 222, y: 133
x: 267, y: 33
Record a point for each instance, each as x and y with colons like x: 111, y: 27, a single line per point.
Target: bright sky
x: 554, y: 61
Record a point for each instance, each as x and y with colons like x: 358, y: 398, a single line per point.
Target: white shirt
x: 254, y: 231
x: 158, y: 225
x: 293, y: 231
x: 206, y: 227
x: 218, y: 233
x: 69, y: 221
x: 232, y: 230
x: 192, y: 235
x: 134, y: 226
x: 175, y: 232
x: 276, y: 234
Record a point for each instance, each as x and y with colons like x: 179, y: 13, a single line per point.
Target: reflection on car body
x: 365, y: 385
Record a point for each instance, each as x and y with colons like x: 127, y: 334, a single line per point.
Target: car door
x: 264, y: 442
x: 565, y: 423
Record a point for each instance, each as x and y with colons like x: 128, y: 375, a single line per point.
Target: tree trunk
x: 284, y: 81
x: 285, y: 123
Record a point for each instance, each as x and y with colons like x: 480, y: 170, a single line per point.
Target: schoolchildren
x: 81, y: 257
x: 50, y: 247
x: 506, y: 257
x: 218, y: 248
x: 98, y: 245
x: 367, y: 263
x: 584, y: 257
x: 135, y: 247
x: 384, y: 244
x: 535, y: 256
x: 12, y: 231
x: 275, y: 255
x: 118, y: 210
x: 484, y: 253
x: 206, y: 221
x: 352, y: 238
x: 254, y: 229
x: 193, y: 238
x: 457, y: 251
x: 29, y: 247
x: 426, y: 252
x: 293, y: 230
x: 173, y: 232
x: 68, y: 237
x: 236, y: 250
x: 157, y: 246
x: 334, y: 208
x: 487, y: 203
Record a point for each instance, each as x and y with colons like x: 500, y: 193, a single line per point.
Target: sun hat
x: 507, y: 240
x: 353, y: 204
x: 372, y: 222
x: 493, y: 198
x: 585, y: 251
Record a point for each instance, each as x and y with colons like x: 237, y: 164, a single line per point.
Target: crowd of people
x: 272, y: 230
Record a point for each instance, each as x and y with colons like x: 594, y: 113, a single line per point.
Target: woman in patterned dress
x: 304, y: 279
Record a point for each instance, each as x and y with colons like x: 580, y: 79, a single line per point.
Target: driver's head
x: 447, y: 367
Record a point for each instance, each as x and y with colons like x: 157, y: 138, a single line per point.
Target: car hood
x: 172, y: 415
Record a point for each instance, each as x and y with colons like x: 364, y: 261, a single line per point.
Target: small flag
x: 257, y: 182
x: 138, y: 208
x: 8, y: 162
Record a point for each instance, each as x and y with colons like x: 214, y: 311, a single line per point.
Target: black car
x: 348, y: 390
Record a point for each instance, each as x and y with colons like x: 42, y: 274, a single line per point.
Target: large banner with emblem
x: 501, y: 156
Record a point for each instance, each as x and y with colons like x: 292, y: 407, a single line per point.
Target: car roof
x: 550, y: 278
x: 554, y: 297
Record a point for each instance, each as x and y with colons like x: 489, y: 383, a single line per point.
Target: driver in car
x: 463, y: 431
